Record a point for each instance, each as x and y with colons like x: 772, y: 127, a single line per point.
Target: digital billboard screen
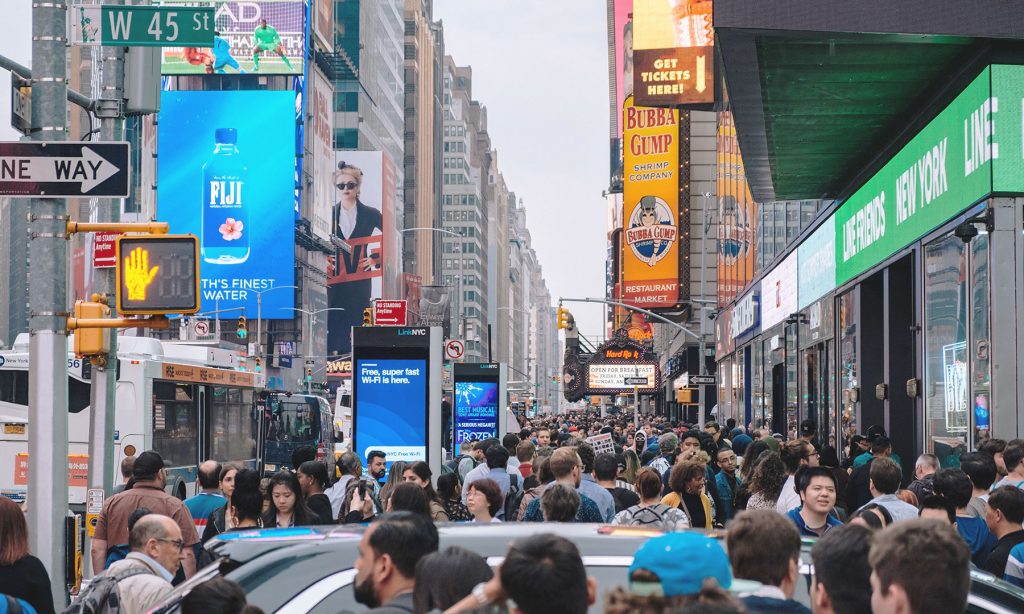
x: 268, y: 38
x: 475, y: 412
x: 391, y: 408
x: 225, y: 168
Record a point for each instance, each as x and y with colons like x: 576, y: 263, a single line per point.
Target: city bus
x: 189, y: 403
x: 292, y: 420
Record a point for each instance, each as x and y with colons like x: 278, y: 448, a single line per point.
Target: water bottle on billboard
x: 225, y: 218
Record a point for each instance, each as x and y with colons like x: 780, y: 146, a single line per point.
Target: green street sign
x: 141, y: 26
x: 971, y: 149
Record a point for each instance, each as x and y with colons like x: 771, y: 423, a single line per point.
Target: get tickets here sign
x: 974, y: 147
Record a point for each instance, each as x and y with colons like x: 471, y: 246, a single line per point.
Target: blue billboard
x: 225, y: 169
x: 476, y: 411
x: 391, y: 408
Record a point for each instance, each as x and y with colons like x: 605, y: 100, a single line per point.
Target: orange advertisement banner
x: 78, y: 470
x: 205, y: 375
x: 650, y: 240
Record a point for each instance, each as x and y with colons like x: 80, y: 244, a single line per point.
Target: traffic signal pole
x: 48, y: 310
x: 102, y: 395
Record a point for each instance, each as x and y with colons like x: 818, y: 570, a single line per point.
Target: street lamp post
x: 458, y: 247
x: 309, y: 339
x: 259, y: 316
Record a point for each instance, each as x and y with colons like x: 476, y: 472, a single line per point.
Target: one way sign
x: 60, y: 169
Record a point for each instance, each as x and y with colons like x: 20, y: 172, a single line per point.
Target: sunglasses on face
x: 351, y: 185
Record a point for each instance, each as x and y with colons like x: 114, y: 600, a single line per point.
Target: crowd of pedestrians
x: 873, y: 537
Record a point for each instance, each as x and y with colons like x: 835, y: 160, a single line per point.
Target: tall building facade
x: 423, y: 137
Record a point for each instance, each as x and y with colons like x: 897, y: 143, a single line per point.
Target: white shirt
x: 347, y: 220
x: 336, y: 494
x: 789, y: 499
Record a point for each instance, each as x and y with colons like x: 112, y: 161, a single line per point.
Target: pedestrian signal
x: 157, y: 274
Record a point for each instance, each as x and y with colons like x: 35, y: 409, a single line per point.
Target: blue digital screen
x: 226, y: 166
x: 476, y: 411
x: 391, y: 408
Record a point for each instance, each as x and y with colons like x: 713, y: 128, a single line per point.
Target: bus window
x: 294, y: 421
x: 174, y: 423
x: 14, y: 387
x: 78, y: 395
x: 233, y: 427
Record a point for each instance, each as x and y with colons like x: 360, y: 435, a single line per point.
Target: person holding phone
x: 360, y: 508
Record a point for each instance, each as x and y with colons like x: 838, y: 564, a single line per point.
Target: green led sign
x: 973, y: 148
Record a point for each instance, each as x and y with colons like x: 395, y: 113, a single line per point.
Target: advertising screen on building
x: 268, y: 38
x: 476, y: 411
x: 651, y: 237
x: 673, y: 53
x: 362, y: 200
x: 322, y: 109
x: 391, y: 409
x: 737, y: 214
x: 226, y: 174
x: 322, y: 14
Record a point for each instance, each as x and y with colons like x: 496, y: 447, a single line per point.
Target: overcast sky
x: 541, y: 69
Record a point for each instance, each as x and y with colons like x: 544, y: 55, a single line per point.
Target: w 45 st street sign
x: 60, y: 169
x: 141, y: 26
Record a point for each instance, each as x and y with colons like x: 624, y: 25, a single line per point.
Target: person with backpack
x: 651, y: 512
x: 23, y: 579
x: 142, y: 579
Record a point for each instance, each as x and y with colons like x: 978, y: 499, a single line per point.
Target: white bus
x: 189, y: 403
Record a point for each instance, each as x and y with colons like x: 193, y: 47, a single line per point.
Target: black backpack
x: 101, y: 596
x: 512, y: 500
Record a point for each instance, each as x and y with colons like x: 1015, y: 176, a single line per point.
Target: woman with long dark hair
x: 312, y: 477
x: 246, y: 501
x: 287, y: 508
x: 219, y: 520
x: 449, y: 492
x: 445, y: 578
x: 395, y: 473
x: 22, y: 575
x: 767, y: 482
x: 408, y: 497
x: 419, y: 473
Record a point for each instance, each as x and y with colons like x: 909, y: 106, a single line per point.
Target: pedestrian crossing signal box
x: 157, y: 274
x: 688, y: 396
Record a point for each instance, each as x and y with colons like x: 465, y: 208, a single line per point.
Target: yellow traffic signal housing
x: 687, y: 396
x: 259, y: 365
x: 243, y: 328
x: 563, y: 318
x: 91, y: 341
x: 157, y: 274
x: 368, y: 316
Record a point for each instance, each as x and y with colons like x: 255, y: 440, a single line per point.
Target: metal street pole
x: 48, y: 310
x: 702, y: 349
x: 104, y: 380
x: 308, y: 354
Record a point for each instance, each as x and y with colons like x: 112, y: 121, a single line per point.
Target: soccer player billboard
x: 225, y: 169
x: 268, y: 38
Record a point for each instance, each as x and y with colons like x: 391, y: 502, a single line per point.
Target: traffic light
x: 309, y: 374
x: 259, y: 365
x: 687, y: 396
x: 243, y: 328
x: 563, y: 318
x: 157, y: 274
x: 91, y: 341
x: 368, y: 316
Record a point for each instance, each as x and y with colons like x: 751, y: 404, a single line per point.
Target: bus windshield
x: 294, y: 420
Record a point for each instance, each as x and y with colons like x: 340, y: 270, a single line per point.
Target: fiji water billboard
x: 225, y: 171
x: 476, y: 411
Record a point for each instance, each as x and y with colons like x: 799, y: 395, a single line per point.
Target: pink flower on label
x: 231, y: 229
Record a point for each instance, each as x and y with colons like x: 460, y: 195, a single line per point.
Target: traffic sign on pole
x: 60, y: 169
x: 702, y: 380
x: 636, y: 381
x: 141, y: 26
x: 390, y: 313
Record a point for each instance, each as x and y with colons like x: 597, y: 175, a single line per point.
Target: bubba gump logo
x: 651, y: 232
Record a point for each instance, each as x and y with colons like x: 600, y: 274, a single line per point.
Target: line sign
x: 58, y: 169
x: 141, y: 26
x: 636, y: 381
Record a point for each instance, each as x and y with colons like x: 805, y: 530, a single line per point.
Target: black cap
x: 147, y: 465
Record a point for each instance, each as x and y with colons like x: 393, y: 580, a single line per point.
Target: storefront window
x: 980, y: 337
x: 757, y: 392
x: 849, y: 380
x: 946, y: 390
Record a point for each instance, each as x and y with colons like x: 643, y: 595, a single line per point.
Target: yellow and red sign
x: 78, y: 469
x: 673, y: 52
x: 650, y: 243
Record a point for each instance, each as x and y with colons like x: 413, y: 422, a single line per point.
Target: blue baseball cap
x: 682, y: 561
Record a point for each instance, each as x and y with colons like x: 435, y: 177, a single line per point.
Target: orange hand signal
x: 137, y: 274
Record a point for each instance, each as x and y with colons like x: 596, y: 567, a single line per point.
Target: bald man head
x: 158, y: 537
x: 209, y: 475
